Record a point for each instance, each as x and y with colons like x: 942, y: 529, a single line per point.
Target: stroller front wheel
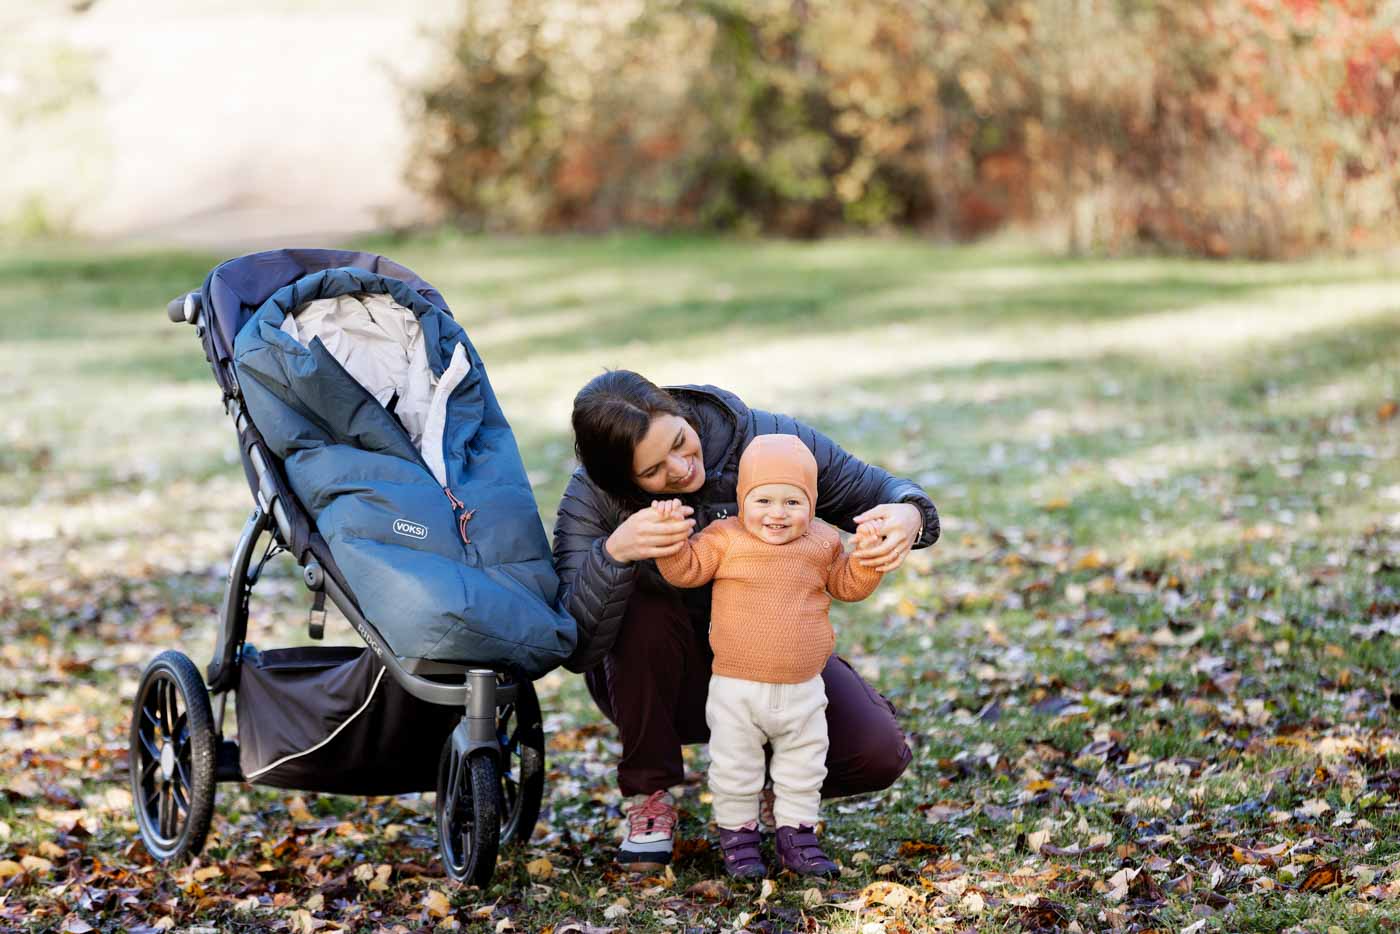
x: 469, y: 828
x: 172, y: 757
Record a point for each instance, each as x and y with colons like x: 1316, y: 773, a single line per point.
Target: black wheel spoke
x: 149, y: 745
x: 165, y: 812
x: 146, y: 712
x: 181, y: 800
x: 181, y: 774
x: 149, y: 770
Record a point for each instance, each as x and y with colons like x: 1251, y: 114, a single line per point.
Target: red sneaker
x: 651, y: 829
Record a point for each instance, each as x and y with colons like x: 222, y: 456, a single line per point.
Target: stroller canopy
x: 391, y: 437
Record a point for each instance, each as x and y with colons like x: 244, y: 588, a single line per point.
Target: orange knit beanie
x: 778, y: 459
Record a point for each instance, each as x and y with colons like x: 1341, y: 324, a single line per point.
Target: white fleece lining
x: 380, y: 344
x: 436, y: 421
x: 323, y: 742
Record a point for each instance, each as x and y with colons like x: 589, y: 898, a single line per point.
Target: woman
x: 643, y: 644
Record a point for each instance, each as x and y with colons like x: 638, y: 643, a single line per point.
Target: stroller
x: 379, y: 459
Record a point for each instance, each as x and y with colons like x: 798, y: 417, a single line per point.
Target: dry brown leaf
x: 890, y: 895
x: 36, y: 864
x: 540, y: 869
x: 437, y: 903
x: 1322, y: 877
x: 709, y: 889
x: 296, y: 809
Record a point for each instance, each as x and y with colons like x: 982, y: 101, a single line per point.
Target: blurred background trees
x: 1214, y: 127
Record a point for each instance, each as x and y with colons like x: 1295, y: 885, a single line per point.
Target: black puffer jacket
x: 596, y: 588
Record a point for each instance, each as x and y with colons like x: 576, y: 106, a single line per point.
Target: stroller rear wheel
x: 469, y: 827
x: 520, y: 730
x: 172, y: 757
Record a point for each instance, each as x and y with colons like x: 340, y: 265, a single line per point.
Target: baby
x: 775, y: 569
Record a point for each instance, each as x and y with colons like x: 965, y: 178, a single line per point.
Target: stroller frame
x: 178, y: 752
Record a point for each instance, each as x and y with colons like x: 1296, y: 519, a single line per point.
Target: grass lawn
x: 1150, y: 676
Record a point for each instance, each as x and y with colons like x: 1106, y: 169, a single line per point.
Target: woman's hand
x: 655, y: 532
x: 885, y: 534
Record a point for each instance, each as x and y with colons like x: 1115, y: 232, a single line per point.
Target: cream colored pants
x: 743, y: 715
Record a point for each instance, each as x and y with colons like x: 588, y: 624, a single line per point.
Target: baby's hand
x: 869, y: 532
x: 667, y: 508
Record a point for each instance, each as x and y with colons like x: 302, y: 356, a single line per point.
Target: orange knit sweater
x: 768, y: 620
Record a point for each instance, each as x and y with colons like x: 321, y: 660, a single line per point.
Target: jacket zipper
x: 460, y: 512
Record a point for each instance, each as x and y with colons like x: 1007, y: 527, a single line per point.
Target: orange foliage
x: 1218, y: 127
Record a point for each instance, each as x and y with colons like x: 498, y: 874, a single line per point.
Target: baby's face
x: 777, y: 513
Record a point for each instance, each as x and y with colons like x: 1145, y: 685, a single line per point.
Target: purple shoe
x: 799, y: 851
x: 742, y: 858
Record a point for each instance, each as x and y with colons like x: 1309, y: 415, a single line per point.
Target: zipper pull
x: 463, y: 517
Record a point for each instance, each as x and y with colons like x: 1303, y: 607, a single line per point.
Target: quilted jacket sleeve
x: 593, y: 587
x: 846, y: 485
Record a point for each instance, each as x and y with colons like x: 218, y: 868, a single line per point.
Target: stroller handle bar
x: 185, y: 309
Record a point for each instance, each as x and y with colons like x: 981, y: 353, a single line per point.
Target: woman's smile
x: 667, y: 459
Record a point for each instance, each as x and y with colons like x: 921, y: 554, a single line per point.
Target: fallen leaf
x: 296, y: 809
x: 304, y: 923
x: 766, y: 891
x: 437, y: 903
x: 1037, y: 839
x: 710, y: 890
x: 1314, y: 808
x: 811, y: 898
x: 540, y: 869
x: 891, y: 895
x: 1322, y: 877
x: 9, y: 867
x: 207, y: 872
x: 36, y: 864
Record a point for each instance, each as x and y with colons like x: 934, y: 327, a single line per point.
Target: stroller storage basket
x: 327, y: 718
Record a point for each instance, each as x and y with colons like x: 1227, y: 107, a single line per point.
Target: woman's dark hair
x: 612, y: 412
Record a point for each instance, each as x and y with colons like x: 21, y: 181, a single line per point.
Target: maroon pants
x: 654, y: 682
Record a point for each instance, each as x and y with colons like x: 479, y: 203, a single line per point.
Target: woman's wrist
x: 610, y: 551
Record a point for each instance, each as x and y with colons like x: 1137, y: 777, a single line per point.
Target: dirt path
x: 217, y: 124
